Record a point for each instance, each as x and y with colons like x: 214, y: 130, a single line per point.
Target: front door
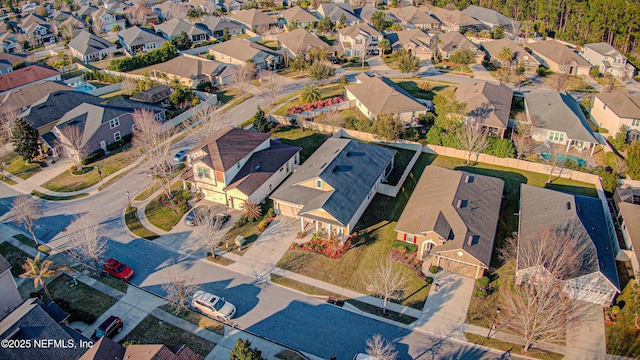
x: 426, y: 248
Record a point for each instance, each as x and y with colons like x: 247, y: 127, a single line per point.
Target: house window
x: 635, y: 122
x: 556, y: 136
x: 358, y: 41
x: 116, y: 136
x: 287, y: 166
x: 114, y: 123
x: 319, y: 184
x: 203, y: 173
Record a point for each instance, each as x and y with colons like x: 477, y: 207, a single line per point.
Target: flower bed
x: 314, y: 106
x: 408, y: 259
x: 324, y: 247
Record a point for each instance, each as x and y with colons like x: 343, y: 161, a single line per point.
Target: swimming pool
x: 562, y: 157
x: 86, y: 87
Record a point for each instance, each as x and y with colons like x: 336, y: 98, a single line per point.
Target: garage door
x: 459, y: 268
x: 214, y: 196
x: 288, y: 210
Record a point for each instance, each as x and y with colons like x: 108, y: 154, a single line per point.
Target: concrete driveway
x: 586, y: 338
x: 480, y: 73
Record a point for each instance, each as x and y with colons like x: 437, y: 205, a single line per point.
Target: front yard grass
x: 83, y: 302
x: 15, y: 257
x: 162, y: 216
x: 154, y: 331
x: 308, y: 140
x: 412, y: 88
x: 400, y: 163
x: 56, y: 198
x: 114, y: 283
x: 623, y: 330
x: 511, y: 348
x: 326, y: 91
x: 195, y: 318
x: 67, y: 182
x: 135, y: 226
x: 15, y: 165
x: 303, y: 287
x: 375, y: 310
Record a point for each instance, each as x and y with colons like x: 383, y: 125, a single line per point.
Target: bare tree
x: 178, y: 289
x: 210, y: 231
x: 516, y: 29
x: 241, y: 77
x: 272, y: 82
x: 380, y: 348
x: 473, y: 138
x: 151, y: 138
x: 26, y: 210
x: 534, y: 304
x: 386, y: 282
x: 71, y: 138
x: 67, y: 31
x: 332, y: 118
x: 8, y: 117
x: 97, y: 25
x: 620, y: 165
x: 524, y: 145
x: 129, y: 86
x: 210, y: 118
x: 87, y: 243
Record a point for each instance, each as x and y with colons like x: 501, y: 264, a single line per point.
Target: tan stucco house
x: 616, y: 109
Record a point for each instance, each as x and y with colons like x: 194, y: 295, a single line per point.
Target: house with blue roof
x: 333, y: 188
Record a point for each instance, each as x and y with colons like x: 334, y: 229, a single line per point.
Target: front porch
x: 316, y: 226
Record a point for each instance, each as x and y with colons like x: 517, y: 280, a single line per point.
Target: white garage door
x: 288, y: 210
x: 214, y: 196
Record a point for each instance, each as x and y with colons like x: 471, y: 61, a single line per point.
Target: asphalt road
x: 269, y: 310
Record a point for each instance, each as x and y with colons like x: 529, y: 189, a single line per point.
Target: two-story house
x: 175, y: 27
x: 609, y: 60
x: 335, y: 11
x: 415, y: 42
x: 238, y: 51
x: 136, y: 39
x: 140, y: 15
x: 108, y: 18
x: 37, y: 29
x: 237, y: 165
x: 411, y: 18
x: 450, y: 42
x: 616, y: 109
x: 359, y: 40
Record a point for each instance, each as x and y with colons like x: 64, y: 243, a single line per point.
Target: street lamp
x: 99, y: 168
x: 129, y: 198
x: 493, y: 325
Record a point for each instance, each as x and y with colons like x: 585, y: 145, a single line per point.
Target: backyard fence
x: 106, y: 89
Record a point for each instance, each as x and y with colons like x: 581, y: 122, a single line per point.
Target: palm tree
x: 310, y: 93
x: 39, y: 271
x: 505, y: 55
x: 384, y: 45
x: 251, y: 211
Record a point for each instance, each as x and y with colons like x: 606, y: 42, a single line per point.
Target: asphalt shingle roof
x: 136, y: 35
x: 488, y: 103
x: 413, y: 15
x: 300, y: 40
x: 487, y: 16
x: 53, y: 106
x: 4, y: 264
x: 241, y: 49
x: 493, y: 48
x: 382, y: 96
x: 453, y: 40
x: 622, y: 102
x: 87, y: 43
x: 175, y: 27
x: 557, y: 52
x: 25, y: 76
x: 252, y: 18
x: 27, y: 95
x: 299, y: 14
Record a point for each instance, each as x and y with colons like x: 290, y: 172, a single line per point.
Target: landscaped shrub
x: 166, y: 52
x: 501, y: 148
x: 94, y: 156
x: 314, y: 106
x: 323, y: 247
x: 243, y: 220
x: 186, y: 194
x: 397, y: 244
x: 480, y: 293
x: 433, y: 269
x: 435, y: 135
x: 317, y: 235
x: 482, y: 282
x: 271, y: 213
x: 615, y: 309
x: 83, y: 171
x: 301, y: 234
x: 263, y: 225
x: 429, y: 280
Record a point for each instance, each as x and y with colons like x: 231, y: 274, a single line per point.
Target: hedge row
x: 166, y: 52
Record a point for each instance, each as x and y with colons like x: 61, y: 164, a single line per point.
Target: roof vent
x: 334, y: 168
x: 579, y: 208
x: 568, y: 205
x: 472, y: 239
x: 461, y: 204
x: 347, y: 154
x: 468, y: 179
x: 257, y: 167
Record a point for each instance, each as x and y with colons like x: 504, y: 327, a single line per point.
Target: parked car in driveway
x: 213, y: 306
x: 108, y: 328
x: 181, y: 155
x: 191, y: 218
x: 222, y: 218
x: 118, y: 269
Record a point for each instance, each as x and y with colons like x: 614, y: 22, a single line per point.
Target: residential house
x: 157, y: 95
x: 412, y: 17
x: 253, y: 19
x: 88, y: 47
x: 37, y: 30
x: 59, y: 16
x: 238, y: 51
x: 559, y: 57
x: 456, y: 20
x: 334, y: 186
x: 237, y: 165
x: 376, y: 95
x: 109, y: 19
x: 140, y: 15
x: 119, y: 7
x: 20, y: 99
x: 169, y: 10
x: 299, y: 16
x: 366, y: 13
x: 215, y: 26
x: 25, y: 76
x: 616, y: 109
x: 415, y: 42
x: 175, y: 27
x: 520, y: 56
x: 299, y: 41
x: 10, y: 298
x: 10, y: 42
x: 627, y: 207
x: 9, y: 60
x: 78, y: 24
x: 207, y: 6
x: 557, y: 118
x: 359, y: 40
x: 106, y: 348
x: 488, y: 104
x: 28, y: 8
x: 136, y: 39
x: 449, y: 42
x: 232, y: 5
x: 86, y: 10
x: 541, y: 209
x: 452, y: 218
x: 192, y: 70
x: 491, y: 18
x: 35, y: 320
x: 334, y: 12
x: 608, y: 60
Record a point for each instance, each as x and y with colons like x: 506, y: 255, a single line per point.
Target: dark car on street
x: 181, y: 155
x: 108, y: 328
x: 117, y: 269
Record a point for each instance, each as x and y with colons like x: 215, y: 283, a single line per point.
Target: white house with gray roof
x: 608, y: 60
x: 137, y: 39
x: 557, y: 118
x: 333, y: 188
x: 452, y: 217
x: 543, y: 209
x: 175, y: 27
x: 488, y: 17
x: 88, y: 47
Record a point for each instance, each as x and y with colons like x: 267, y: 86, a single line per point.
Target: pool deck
x: 562, y: 150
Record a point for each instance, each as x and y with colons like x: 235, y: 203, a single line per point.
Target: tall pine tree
x: 25, y: 140
x: 260, y: 122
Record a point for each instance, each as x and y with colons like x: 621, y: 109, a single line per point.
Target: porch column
x: 329, y: 230
x: 301, y: 223
x: 477, y: 271
x: 438, y: 261
x: 593, y: 148
x: 316, y: 225
x: 569, y: 144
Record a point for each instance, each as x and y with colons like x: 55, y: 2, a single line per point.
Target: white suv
x: 213, y: 306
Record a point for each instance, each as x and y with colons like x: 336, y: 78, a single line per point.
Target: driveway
x: 264, y: 254
x: 445, y: 310
x: 586, y: 338
x: 481, y: 73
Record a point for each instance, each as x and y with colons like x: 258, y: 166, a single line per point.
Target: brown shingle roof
x: 299, y: 14
x: 229, y: 146
x: 25, y: 96
x: 300, y: 40
x: 631, y: 214
x: 252, y: 18
x: 493, y: 47
x: 488, y: 103
x: 623, y: 103
x: 557, y: 52
x: 381, y: 96
x: 413, y: 15
x: 25, y: 76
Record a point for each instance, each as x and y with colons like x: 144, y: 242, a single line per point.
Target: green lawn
x: 67, y: 182
x: 512, y: 348
x: 197, y: 319
x: 134, y: 225
x: 154, y: 331
x: 412, y: 88
x: 308, y: 140
x: 81, y: 301
x: 271, y: 44
x: 303, y: 287
x: 620, y: 335
x: 15, y: 257
x: 114, y: 283
x: 116, y: 95
x: 400, y: 163
x: 15, y: 165
x: 227, y: 95
x: 162, y: 216
x: 56, y: 198
x: 327, y: 91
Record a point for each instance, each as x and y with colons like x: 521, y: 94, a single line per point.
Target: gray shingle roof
x: 542, y: 208
x: 350, y: 167
x: 631, y: 214
x: 4, y: 264
x: 26, y: 96
x: 622, y: 102
x: 433, y: 206
x: 557, y: 52
x: 556, y: 111
x: 53, y: 106
x: 334, y: 11
x: 153, y: 95
x: 252, y: 18
x: 175, y: 27
x: 136, y: 35
x: 87, y: 43
x: 300, y: 40
x: 456, y: 17
x: 603, y: 48
x: 488, y: 103
x: 382, y: 96
x: 215, y: 23
x: 487, y: 16
x: 453, y: 40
